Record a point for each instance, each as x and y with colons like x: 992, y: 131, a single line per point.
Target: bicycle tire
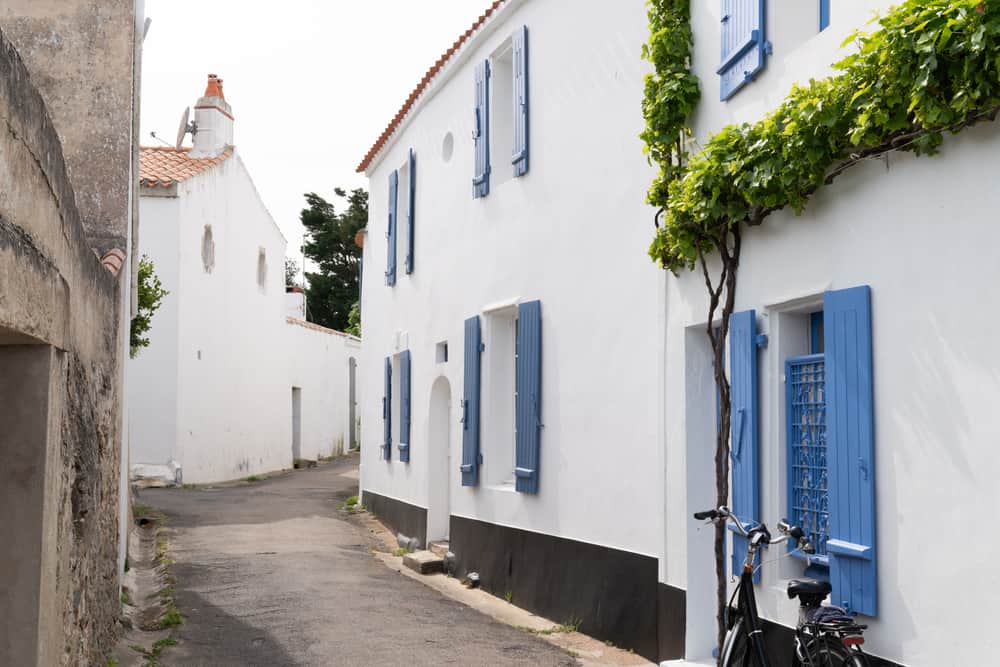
x: 830, y: 652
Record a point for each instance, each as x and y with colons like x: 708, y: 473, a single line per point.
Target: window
x: 500, y: 118
x: 400, y: 229
x: 208, y: 249
x: 511, y: 399
x: 743, y: 42
x: 441, y: 352
x: 396, y: 406
x: 262, y: 269
x: 499, y: 394
x: 502, y: 111
x: 806, y: 414
x: 829, y: 425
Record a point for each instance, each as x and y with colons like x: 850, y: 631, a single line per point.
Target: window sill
x: 506, y: 487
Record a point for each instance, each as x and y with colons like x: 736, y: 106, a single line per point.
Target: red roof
x: 424, y: 83
x: 163, y: 166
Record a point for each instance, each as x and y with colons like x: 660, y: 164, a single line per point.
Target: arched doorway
x: 439, y: 469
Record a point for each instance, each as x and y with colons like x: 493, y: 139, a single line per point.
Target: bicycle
x: 825, y: 636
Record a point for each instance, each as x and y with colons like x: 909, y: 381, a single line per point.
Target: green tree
x: 354, y: 321
x: 291, y: 272
x: 151, y: 293
x: 329, y: 243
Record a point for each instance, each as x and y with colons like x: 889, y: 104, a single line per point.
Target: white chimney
x: 214, y: 119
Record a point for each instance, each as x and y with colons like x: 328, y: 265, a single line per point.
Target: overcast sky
x: 312, y: 82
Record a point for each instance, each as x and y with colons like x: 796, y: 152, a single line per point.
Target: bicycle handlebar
x: 788, y: 531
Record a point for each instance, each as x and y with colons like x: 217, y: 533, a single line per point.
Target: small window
x: 441, y: 352
x: 262, y: 269
x: 208, y: 249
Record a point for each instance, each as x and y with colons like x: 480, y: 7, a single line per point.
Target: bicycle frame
x: 746, y: 604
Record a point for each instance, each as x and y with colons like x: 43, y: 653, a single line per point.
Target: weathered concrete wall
x: 75, y: 51
x: 55, y: 294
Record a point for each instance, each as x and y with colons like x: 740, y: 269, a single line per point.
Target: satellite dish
x: 185, y: 127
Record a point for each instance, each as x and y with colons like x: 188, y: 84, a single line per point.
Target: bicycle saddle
x: 808, y: 589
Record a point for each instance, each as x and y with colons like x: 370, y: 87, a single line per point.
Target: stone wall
x: 60, y: 309
x: 75, y: 51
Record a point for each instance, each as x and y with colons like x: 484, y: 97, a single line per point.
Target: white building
x: 231, y: 385
x: 547, y: 394
x: 538, y: 454
x: 885, y: 276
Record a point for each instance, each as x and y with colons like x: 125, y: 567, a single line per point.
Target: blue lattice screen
x: 807, y: 467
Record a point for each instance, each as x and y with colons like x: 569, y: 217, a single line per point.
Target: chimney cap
x: 214, y: 87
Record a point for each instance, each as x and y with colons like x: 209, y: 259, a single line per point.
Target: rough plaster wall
x: 74, y: 50
x: 54, y: 290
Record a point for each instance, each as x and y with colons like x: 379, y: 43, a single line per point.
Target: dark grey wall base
x: 671, y: 623
x: 612, y: 594
x: 398, y: 516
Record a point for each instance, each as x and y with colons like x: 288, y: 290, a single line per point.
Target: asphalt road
x: 274, y: 573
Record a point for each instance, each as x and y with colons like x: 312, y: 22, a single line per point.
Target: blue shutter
x: 470, y: 403
x: 411, y: 211
x: 387, y: 411
x: 390, y: 265
x: 528, y: 406
x: 404, y: 406
x: 481, y: 131
x: 520, y: 157
x: 824, y: 14
x: 743, y: 44
x: 743, y: 448
x: 847, y: 324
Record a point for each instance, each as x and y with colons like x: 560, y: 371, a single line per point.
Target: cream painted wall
x: 572, y: 233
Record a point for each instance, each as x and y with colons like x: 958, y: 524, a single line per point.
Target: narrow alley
x: 276, y: 573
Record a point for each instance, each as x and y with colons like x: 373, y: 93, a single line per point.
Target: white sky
x: 312, y: 82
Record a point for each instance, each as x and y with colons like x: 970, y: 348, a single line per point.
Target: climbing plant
x: 929, y: 67
x: 150, y: 293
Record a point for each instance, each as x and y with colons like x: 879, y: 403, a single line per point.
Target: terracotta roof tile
x: 422, y: 85
x: 165, y: 166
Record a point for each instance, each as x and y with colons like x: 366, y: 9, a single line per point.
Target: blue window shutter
x: 411, y: 211
x: 470, y: 403
x: 743, y: 44
x: 520, y: 157
x: 847, y: 323
x: 387, y: 411
x: 743, y: 447
x: 390, y: 266
x: 404, y: 406
x: 481, y: 131
x: 528, y: 407
x: 824, y: 14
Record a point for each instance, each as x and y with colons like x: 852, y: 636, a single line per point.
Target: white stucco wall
x: 319, y: 364
x: 572, y: 233
x: 213, y: 390
x: 918, y: 232
x: 152, y: 386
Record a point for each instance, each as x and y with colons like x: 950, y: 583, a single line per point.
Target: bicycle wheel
x: 830, y: 652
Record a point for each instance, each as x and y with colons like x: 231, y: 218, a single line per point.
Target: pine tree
x: 329, y: 244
